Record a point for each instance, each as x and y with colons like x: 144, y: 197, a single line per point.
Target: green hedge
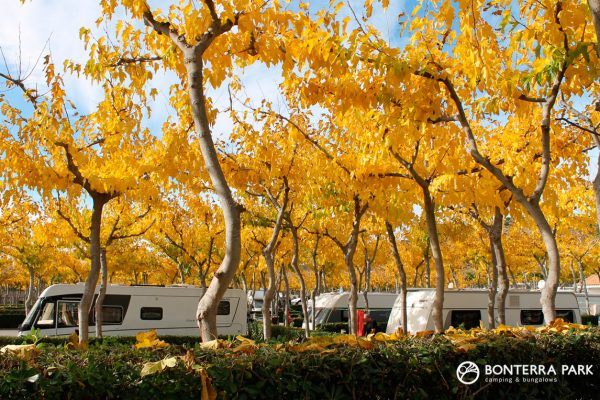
x: 416, y: 368
x: 279, y: 333
x: 335, y: 327
x: 11, y: 320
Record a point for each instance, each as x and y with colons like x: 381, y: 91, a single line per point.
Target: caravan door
x: 227, y: 310
x: 67, y: 316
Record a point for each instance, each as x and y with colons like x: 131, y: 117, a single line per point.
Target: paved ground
x: 8, y: 332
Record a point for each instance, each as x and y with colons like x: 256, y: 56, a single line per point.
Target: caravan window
x: 47, y: 316
x: 465, y: 319
x: 68, y: 313
x: 532, y: 317
x: 566, y: 315
x: 381, y: 316
x: 111, y: 315
x: 224, y: 308
x: 151, y: 313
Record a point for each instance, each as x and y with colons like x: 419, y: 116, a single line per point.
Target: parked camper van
x: 333, y: 307
x: 467, y: 307
x: 593, y: 300
x: 131, y: 309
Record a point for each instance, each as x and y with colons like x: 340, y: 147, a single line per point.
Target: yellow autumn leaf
x: 247, y: 346
x: 150, y: 368
x: 208, y: 391
x: 215, y: 344
x: 424, y: 333
x: 73, y: 342
x: 24, y: 351
x: 149, y: 340
x: 383, y: 337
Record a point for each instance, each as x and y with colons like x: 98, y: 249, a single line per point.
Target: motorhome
x: 465, y: 308
x: 333, y: 307
x: 128, y: 310
x: 590, y: 304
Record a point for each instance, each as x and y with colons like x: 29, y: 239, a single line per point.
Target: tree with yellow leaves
x: 200, y: 43
x: 50, y: 147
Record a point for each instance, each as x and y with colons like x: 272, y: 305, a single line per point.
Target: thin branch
x: 576, y: 125
x: 76, y: 230
x: 137, y: 234
x: 19, y: 83
x: 311, y: 140
x: 443, y: 118
x: 211, y: 8
x: 135, y: 60
x: 532, y: 99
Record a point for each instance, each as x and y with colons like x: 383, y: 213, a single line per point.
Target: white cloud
x: 39, y: 27
x: 38, y: 21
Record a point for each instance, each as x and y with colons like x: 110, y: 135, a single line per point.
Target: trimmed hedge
x: 279, y: 333
x: 335, y: 327
x: 11, y: 316
x: 11, y: 321
x: 416, y: 368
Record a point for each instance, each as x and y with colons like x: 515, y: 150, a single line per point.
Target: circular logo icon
x: 467, y: 372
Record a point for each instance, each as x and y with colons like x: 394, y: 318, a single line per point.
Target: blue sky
x: 42, y: 26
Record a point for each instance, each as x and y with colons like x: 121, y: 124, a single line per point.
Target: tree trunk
x: 29, y: 299
x: 595, y: 9
x: 348, y: 250
x: 498, y: 251
x: 268, y: 297
x: 427, y: 260
x: 436, y: 253
x: 353, y: 298
x: 453, y: 277
x: 39, y: 287
x: 361, y: 273
x: 492, y: 287
x: 553, y: 268
x: 92, y: 279
x: 286, y: 304
x: 182, y: 273
x: 295, y: 258
x: 101, y: 293
x: 416, y: 276
x: 269, y: 256
x: 574, y: 277
x: 207, y: 306
x: 541, y: 261
x: 401, y: 272
x: 317, y: 289
x: 531, y: 202
x: 513, y: 278
x: 202, y: 273
x: 368, y: 265
x: 584, y: 283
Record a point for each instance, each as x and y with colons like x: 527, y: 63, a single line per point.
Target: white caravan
x: 333, y: 307
x: 593, y: 300
x: 467, y: 307
x: 131, y: 309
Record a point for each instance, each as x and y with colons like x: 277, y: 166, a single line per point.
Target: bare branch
x: 211, y: 8
x: 443, y: 118
x: 135, y: 60
x: 532, y: 99
x: 31, y: 94
x: 76, y: 230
